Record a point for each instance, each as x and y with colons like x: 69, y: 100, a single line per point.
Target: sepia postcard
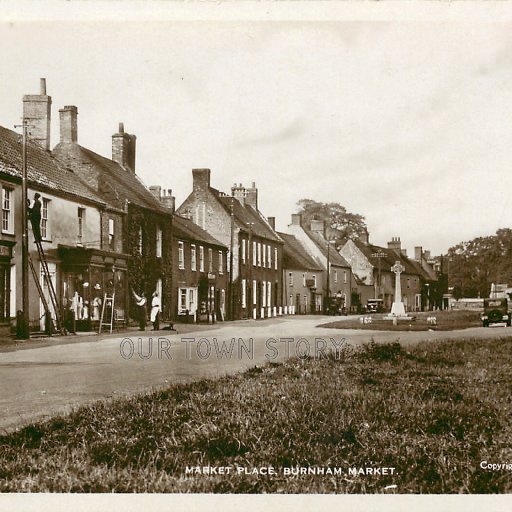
x: 255, y: 254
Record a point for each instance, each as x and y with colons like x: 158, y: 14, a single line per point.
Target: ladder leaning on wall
x: 107, y: 300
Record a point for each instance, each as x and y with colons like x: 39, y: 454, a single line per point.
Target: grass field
x: 446, y: 321
x: 433, y: 412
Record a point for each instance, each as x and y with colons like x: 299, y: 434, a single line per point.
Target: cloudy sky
x: 407, y: 122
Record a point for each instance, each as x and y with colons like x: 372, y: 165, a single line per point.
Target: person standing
x: 141, y: 303
x: 35, y: 217
x: 155, y: 311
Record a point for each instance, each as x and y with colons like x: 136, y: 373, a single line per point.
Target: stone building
x: 255, y: 249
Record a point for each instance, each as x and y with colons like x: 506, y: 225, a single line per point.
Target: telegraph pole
x: 250, y: 254
x: 232, y: 241
x: 23, y: 330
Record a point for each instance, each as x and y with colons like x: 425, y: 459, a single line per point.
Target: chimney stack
x: 318, y: 226
x: 364, y: 237
x: 251, y: 197
x: 272, y: 222
x: 395, y: 244
x: 156, y: 190
x: 123, y: 148
x: 296, y: 219
x: 239, y: 193
x: 201, y: 179
x: 37, y: 111
x: 418, y: 253
x: 68, y: 124
x: 168, y: 200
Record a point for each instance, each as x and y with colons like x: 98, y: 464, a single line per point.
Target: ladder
x: 51, y: 289
x: 110, y: 300
x: 52, y: 326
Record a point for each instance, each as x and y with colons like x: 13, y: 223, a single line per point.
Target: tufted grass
x: 433, y: 412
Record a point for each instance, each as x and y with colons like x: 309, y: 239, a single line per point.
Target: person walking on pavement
x: 155, y: 311
x: 35, y: 217
x: 141, y: 303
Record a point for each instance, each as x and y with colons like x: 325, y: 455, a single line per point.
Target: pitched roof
x: 245, y: 214
x: 295, y: 255
x: 389, y: 259
x: 185, y: 228
x: 42, y: 168
x: 115, y: 183
x: 335, y: 258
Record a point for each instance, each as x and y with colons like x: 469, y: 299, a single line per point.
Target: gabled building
x: 303, y: 278
x: 71, y: 226
x: 255, y: 249
x: 338, y: 280
x: 200, y: 281
x: 145, y: 232
x: 372, y: 266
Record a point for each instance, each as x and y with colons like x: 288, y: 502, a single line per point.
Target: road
x: 37, y: 383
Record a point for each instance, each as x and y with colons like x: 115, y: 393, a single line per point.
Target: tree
x: 473, y: 266
x: 343, y: 223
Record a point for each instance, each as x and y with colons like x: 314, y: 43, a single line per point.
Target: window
x: 314, y: 280
x: 7, y: 208
x: 269, y: 294
x: 139, y: 242
x: 201, y: 258
x: 210, y: 261
x: 221, y: 263
x: 263, y: 294
x: 158, y: 242
x: 193, y: 263
x: 111, y: 233
x: 254, y: 292
x: 45, y: 226
x: 243, y: 250
x: 244, y: 291
x: 181, y: 255
x: 259, y: 254
x: 81, y: 222
x: 275, y: 258
x: 335, y: 277
x: 303, y: 279
x: 345, y: 276
x: 269, y: 256
x: 187, y: 301
x: 290, y: 278
x: 254, y: 254
x: 264, y: 257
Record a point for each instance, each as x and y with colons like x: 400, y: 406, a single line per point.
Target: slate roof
x: 43, y: 169
x: 115, y: 183
x: 185, y: 228
x: 245, y: 214
x: 295, y: 255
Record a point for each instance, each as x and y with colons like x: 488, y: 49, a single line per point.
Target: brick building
x: 145, y: 230
x: 200, y: 281
x: 255, y: 249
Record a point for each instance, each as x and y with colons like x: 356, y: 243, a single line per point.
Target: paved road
x: 37, y: 383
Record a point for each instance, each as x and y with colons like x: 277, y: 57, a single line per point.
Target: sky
x: 407, y: 122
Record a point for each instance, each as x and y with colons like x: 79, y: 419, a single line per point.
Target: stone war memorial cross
x: 397, y: 308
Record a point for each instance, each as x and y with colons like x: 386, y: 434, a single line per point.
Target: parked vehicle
x: 495, y: 312
x: 375, y: 306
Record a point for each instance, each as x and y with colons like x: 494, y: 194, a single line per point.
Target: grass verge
x: 433, y: 412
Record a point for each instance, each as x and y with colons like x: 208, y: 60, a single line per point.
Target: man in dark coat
x: 35, y: 217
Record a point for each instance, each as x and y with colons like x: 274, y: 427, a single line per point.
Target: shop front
x: 6, y: 286
x: 89, y: 276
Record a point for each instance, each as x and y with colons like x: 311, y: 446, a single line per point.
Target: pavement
x: 43, y: 378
